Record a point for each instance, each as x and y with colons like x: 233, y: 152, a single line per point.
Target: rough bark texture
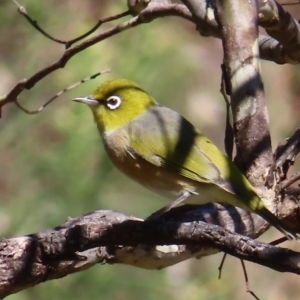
x: 249, y: 108
x: 250, y: 114
x: 111, y: 237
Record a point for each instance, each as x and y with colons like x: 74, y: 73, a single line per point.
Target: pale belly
x: 170, y: 184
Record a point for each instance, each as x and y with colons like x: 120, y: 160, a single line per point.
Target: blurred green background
x: 52, y: 165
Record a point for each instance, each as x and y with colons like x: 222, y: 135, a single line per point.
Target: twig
x: 290, y: 3
x: 32, y: 112
x: 269, y: 48
x: 247, y: 280
x: 287, y: 182
x: 100, y: 22
x: 229, y: 134
x: 221, y: 265
x: 147, y: 15
x: 220, y: 268
x: 284, y: 157
x: 278, y: 241
x: 68, y: 44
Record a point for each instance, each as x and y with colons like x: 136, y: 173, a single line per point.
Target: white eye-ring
x: 113, y: 102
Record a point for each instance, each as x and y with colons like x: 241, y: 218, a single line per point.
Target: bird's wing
x: 164, y: 138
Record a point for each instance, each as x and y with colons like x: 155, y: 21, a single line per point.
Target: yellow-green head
x: 116, y: 103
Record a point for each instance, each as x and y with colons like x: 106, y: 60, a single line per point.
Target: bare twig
x: 229, y: 133
x: 220, y: 268
x: 32, y: 112
x: 147, y: 15
x: 284, y: 157
x: 278, y: 241
x: 290, y: 3
x: 286, y: 183
x: 269, y: 48
x: 68, y: 44
x: 247, y: 280
x: 100, y: 22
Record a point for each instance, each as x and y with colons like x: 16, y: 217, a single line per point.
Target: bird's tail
x: 274, y: 221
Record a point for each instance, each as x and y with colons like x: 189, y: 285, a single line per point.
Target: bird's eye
x: 113, y: 102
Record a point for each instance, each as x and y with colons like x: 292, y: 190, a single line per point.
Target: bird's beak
x: 89, y: 100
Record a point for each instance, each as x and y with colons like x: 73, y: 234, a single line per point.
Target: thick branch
x: 281, y: 47
x: 249, y: 109
x: 281, y: 26
x: 28, y: 260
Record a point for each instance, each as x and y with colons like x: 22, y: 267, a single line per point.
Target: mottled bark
x: 111, y: 237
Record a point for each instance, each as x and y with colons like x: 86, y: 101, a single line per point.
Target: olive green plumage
x: 158, y: 148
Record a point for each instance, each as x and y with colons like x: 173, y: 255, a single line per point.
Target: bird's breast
x: 158, y: 179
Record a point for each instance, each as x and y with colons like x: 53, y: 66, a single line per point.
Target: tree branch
x: 151, y: 13
x: 284, y: 157
x: 111, y: 237
x: 288, y: 204
x: 203, y: 16
x: 281, y: 26
x: 248, y: 104
x: 254, y: 155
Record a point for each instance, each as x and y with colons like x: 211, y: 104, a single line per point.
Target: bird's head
x: 116, y: 103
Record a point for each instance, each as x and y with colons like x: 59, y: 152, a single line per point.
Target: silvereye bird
x: 158, y: 148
